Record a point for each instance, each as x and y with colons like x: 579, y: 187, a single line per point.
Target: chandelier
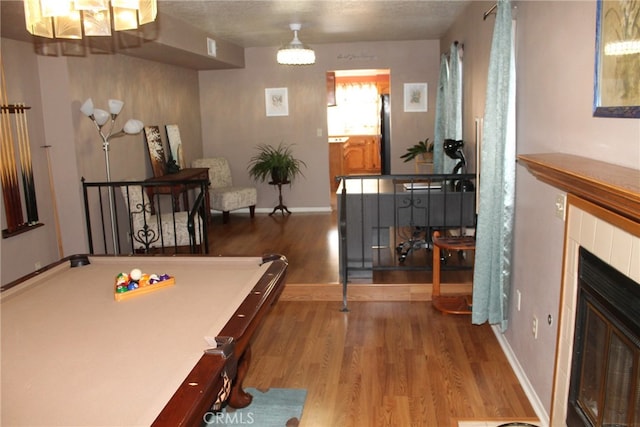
x: 295, y: 53
x: 70, y: 19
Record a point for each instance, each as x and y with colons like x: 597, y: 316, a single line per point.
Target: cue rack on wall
x: 14, y: 151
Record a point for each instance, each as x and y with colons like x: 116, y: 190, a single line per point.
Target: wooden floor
x: 382, y: 363
x: 309, y: 241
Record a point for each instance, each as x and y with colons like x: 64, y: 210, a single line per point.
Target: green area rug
x: 274, y: 407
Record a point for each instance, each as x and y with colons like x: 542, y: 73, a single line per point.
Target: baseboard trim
x: 317, y: 209
x: 537, y: 405
x: 366, y: 292
x: 320, y: 209
x: 493, y: 422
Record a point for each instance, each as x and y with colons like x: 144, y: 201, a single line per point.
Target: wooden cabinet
x: 359, y: 155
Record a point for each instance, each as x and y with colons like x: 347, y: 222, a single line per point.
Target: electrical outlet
x: 38, y: 265
x: 534, y: 327
x: 561, y: 202
x: 518, y: 298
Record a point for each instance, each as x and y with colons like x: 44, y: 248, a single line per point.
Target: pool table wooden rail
x: 200, y: 388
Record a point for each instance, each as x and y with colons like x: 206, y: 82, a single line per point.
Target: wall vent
x: 211, y: 47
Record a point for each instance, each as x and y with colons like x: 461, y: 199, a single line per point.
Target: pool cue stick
x: 10, y: 188
x: 54, y: 203
x: 10, y: 180
x: 21, y: 156
x: 26, y: 165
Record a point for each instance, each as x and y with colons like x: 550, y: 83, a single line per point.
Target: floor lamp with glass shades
x: 131, y: 127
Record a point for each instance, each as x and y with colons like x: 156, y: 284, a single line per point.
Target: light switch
x: 561, y: 201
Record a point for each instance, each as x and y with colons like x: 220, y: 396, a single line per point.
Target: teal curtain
x: 492, y: 273
x: 448, y: 118
x: 440, y: 118
x: 454, y: 103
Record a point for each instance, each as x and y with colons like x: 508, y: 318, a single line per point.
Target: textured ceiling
x: 255, y: 23
x: 262, y: 23
x: 251, y: 23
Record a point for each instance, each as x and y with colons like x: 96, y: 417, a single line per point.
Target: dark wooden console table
x: 179, y: 183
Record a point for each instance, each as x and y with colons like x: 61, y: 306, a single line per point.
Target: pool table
x: 74, y: 355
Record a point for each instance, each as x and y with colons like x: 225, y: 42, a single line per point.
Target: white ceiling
x: 254, y: 23
x: 262, y: 23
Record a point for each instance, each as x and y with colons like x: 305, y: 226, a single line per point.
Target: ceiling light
x: 67, y: 18
x: 627, y: 47
x: 295, y: 53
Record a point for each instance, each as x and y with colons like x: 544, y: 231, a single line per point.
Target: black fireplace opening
x: 605, y: 370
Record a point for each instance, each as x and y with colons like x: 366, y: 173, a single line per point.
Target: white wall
x: 555, y: 48
x: 555, y: 66
x: 55, y: 87
x: 23, y: 252
x: 234, y: 120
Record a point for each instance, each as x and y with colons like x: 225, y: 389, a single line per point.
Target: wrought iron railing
x: 144, y: 220
x: 385, y: 221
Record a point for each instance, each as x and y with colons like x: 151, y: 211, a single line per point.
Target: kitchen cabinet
x: 358, y: 155
x: 361, y: 155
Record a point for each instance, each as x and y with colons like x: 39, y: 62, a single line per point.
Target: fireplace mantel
x: 616, y: 188
x: 603, y: 216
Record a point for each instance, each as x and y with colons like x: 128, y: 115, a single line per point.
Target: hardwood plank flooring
x: 309, y: 241
x: 382, y: 363
x: 385, y: 364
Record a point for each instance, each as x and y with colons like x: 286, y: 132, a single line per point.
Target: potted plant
x: 423, y: 149
x: 275, y: 164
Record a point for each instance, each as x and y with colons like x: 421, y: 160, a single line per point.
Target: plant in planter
x: 275, y: 164
x: 423, y: 149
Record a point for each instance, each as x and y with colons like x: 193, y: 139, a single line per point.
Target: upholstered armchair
x: 160, y: 230
x: 223, y: 195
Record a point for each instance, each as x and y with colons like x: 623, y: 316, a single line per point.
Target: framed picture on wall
x: 156, y: 150
x: 616, y: 86
x: 277, y: 101
x: 415, y: 97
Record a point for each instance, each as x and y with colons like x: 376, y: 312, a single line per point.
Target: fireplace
x: 603, y: 217
x: 605, y: 386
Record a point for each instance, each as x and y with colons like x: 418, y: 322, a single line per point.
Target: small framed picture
x: 276, y: 101
x: 415, y: 97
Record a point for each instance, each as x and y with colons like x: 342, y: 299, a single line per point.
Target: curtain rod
x: 488, y: 12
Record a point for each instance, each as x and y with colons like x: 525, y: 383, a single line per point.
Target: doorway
x: 358, y: 121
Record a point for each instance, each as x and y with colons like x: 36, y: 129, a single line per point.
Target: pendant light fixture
x: 296, y: 53
x: 68, y: 18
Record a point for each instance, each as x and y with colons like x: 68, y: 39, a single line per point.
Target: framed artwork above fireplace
x: 616, y: 86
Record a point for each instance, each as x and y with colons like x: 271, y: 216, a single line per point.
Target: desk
x: 73, y: 355
x: 175, y: 189
x: 376, y: 206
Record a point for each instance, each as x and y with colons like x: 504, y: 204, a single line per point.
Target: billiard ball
x: 135, y: 274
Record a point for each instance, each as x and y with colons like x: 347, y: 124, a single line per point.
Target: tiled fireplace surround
x: 603, y: 215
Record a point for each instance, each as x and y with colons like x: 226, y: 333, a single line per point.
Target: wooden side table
x: 280, y: 206
x: 178, y: 184
x: 449, y: 304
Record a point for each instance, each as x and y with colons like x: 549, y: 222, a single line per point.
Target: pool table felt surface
x: 73, y: 355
